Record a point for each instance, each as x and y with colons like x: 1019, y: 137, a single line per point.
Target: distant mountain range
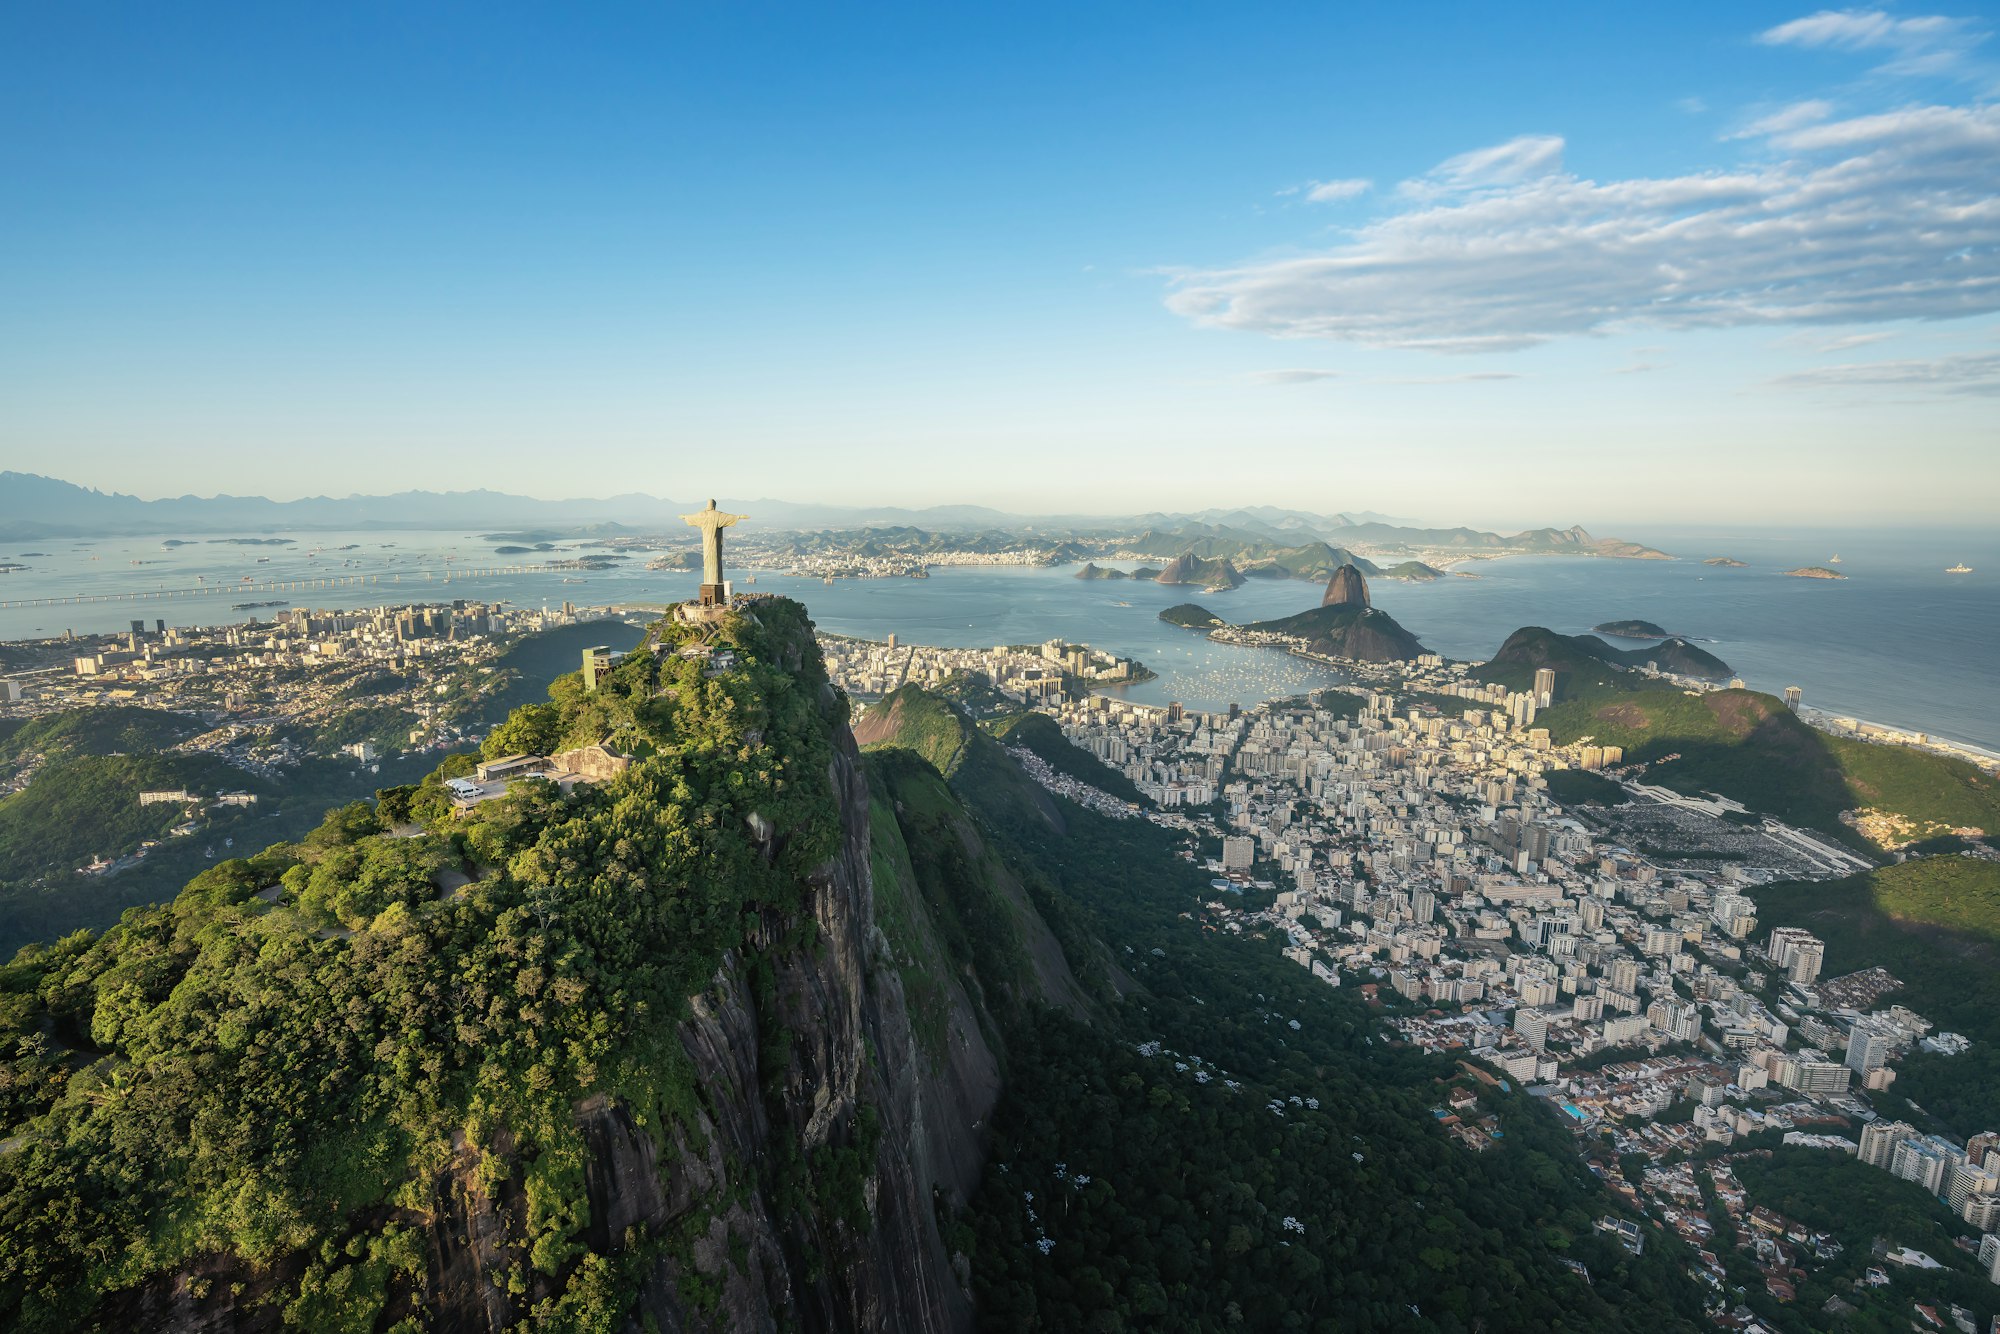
x: 34, y: 506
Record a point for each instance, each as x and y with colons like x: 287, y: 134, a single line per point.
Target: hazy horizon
x: 1635, y: 527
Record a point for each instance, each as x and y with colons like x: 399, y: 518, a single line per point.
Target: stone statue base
x: 700, y: 613
x: 714, y: 595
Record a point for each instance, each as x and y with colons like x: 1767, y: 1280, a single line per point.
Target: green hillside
x: 1858, y: 1204
x: 1192, y: 616
x: 915, y: 719
x: 1367, y: 634
x: 1580, y: 660
x: 1215, y: 575
x: 87, y: 806
x: 112, y: 729
x: 1163, y: 1151
x: 1934, y: 923
x: 230, y: 1086
x: 1042, y: 735
x: 1312, y: 560
x: 1750, y: 747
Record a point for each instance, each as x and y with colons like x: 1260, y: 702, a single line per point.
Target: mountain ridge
x: 35, y: 506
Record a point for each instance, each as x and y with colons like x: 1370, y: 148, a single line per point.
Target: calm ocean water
x: 1897, y: 642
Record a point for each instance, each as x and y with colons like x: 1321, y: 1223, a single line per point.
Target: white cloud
x: 1294, y: 375
x: 1327, y: 192
x: 1475, y: 377
x: 1857, y: 221
x: 1519, y: 159
x: 1972, y: 373
x: 1928, y: 44
x: 1819, y: 342
x: 1786, y: 118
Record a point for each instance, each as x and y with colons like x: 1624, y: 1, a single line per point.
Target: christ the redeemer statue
x: 712, y: 521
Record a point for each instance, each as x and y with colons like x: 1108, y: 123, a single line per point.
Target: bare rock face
x: 1346, y: 589
x: 799, y: 1269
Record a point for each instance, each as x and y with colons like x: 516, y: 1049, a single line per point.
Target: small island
x: 1814, y: 572
x: 1191, y: 616
x: 1729, y: 562
x: 1214, y: 575
x: 1413, y: 571
x: 1094, y: 571
x: 1630, y: 630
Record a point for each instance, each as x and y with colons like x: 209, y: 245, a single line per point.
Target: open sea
x: 1898, y: 642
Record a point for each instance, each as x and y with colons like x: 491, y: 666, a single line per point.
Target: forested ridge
x: 1236, y: 1145
x: 262, y: 1084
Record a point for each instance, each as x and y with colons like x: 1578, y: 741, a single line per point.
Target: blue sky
x: 1691, y: 263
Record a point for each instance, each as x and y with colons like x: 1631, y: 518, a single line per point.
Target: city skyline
x: 1712, y: 266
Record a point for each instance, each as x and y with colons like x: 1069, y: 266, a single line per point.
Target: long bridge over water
x: 291, y: 585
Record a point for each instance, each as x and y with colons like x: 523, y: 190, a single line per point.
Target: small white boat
x: 1960, y: 568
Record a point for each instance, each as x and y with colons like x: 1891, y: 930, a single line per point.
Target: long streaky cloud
x: 1857, y: 221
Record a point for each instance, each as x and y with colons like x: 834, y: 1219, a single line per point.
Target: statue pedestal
x: 703, y: 611
x: 714, y: 595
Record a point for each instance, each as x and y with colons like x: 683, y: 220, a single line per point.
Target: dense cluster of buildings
x: 297, y: 667
x: 1401, y: 835
x: 1035, y: 674
x: 873, y: 563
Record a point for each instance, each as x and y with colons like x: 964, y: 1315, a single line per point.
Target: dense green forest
x: 89, y: 804
x: 1041, y: 734
x: 111, y: 729
x: 1580, y: 787
x: 1236, y: 1145
x: 275, y: 1066
x: 1934, y: 923
x: 1858, y: 1204
x: 1750, y: 747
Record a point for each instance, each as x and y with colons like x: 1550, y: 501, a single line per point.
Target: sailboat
x: 1834, y: 559
x: 1960, y: 568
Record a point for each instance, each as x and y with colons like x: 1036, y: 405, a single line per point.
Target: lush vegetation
x: 1192, y: 616
x: 89, y: 805
x: 1041, y: 734
x: 1859, y: 1204
x: 56, y: 901
x: 1348, y: 631
x: 1583, y: 660
x: 1750, y: 747
x: 1580, y: 787
x: 1934, y: 923
x: 275, y: 1069
x: 71, y: 812
x: 111, y: 729
x: 1236, y: 1145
